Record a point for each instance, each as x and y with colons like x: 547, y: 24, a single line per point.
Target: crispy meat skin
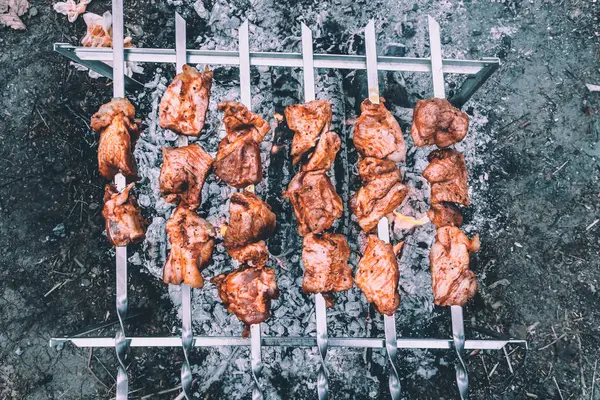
x: 435, y: 121
x: 377, y: 276
x: 327, y: 148
x: 251, y: 221
x: 247, y: 293
x: 124, y: 221
x: 381, y: 193
x: 308, y: 121
x: 445, y: 214
x: 325, y: 259
x: 119, y: 130
x: 316, y: 204
x: 192, y: 239
x: 447, y: 174
x: 238, y: 158
x: 378, y: 134
x: 453, y: 282
x: 182, y: 175
x: 183, y: 106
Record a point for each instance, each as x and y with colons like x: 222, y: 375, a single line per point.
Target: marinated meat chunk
x: 377, y: 276
x: 316, y: 204
x: 378, y: 134
x: 381, y: 193
x: 445, y: 214
x: 183, y: 173
x: 435, y: 121
x: 192, y: 240
x: 453, y: 282
x: 447, y: 174
x: 238, y: 158
x: 251, y: 221
x: 124, y: 221
x: 247, y: 293
x: 119, y: 130
x: 308, y: 121
x: 185, y: 102
x: 327, y: 148
x: 325, y: 258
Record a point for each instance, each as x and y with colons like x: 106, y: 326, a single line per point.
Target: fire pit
x: 355, y: 333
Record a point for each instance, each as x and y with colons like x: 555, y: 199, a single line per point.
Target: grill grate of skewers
x: 247, y: 291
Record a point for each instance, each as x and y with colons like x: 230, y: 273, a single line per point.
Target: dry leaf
x: 12, y: 21
x: 3, y: 6
x: 71, y: 9
x: 18, y: 7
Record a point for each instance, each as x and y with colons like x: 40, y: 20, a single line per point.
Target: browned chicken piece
x: 453, y: 282
x: 185, y: 102
x: 447, y: 174
x: 192, y: 240
x: 124, y: 221
x: 377, y: 275
x: 251, y: 220
x: 247, y: 293
x: 381, y: 193
x: 378, y: 134
x: 238, y: 158
x: 253, y: 254
x: 119, y: 130
x: 316, y: 204
x: 324, y: 155
x: 435, y: 121
x: 445, y: 214
x: 182, y: 175
x: 308, y: 121
x: 325, y: 259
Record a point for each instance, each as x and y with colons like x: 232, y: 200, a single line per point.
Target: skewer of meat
x: 315, y: 202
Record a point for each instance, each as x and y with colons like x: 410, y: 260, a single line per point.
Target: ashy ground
x: 535, y: 186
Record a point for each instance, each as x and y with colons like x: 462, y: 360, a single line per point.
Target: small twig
x: 176, y: 388
x: 508, y: 360
x: 552, y: 342
x: 594, y: 379
x: 559, y: 168
x: 493, y: 370
x: 558, y: 387
x: 91, y: 371
x: 590, y: 226
x: 57, y: 286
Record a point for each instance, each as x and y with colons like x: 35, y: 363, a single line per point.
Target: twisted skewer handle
x: 322, y: 345
x: 187, y: 341
x: 458, y: 336
x: 121, y: 342
x: 256, y: 358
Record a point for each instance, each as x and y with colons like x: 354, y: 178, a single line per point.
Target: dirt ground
x: 537, y: 191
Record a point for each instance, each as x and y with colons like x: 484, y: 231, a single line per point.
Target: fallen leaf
x: 18, y: 7
x: 593, y: 88
x: 71, y: 9
x: 12, y: 21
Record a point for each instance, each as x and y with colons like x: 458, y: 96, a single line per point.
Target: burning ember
x: 405, y: 222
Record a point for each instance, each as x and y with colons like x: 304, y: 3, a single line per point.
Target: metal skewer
x: 458, y: 330
x: 187, y: 334
x: 320, y: 304
x: 121, y: 341
x: 246, y: 99
x: 383, y: 230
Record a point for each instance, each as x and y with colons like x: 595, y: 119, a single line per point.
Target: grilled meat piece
x: 251, y: 220
x: 119, y: 131
x: 247, y: 293
x: 325, y: 259
x: 316, y: 204
x: 183, y: 173
x: 445, y: 214
x: 378, y: 134
x: 324, y: 155
x: 124, y: 221
x: 447, y: 174
x: 185, y: 102
x: 453, y: 282
x: 435, y: 121
x: 377, y: 275
x: 192, y: 240
x: 381, y: 193
x: 308, y: 121
x: 238, y: 158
